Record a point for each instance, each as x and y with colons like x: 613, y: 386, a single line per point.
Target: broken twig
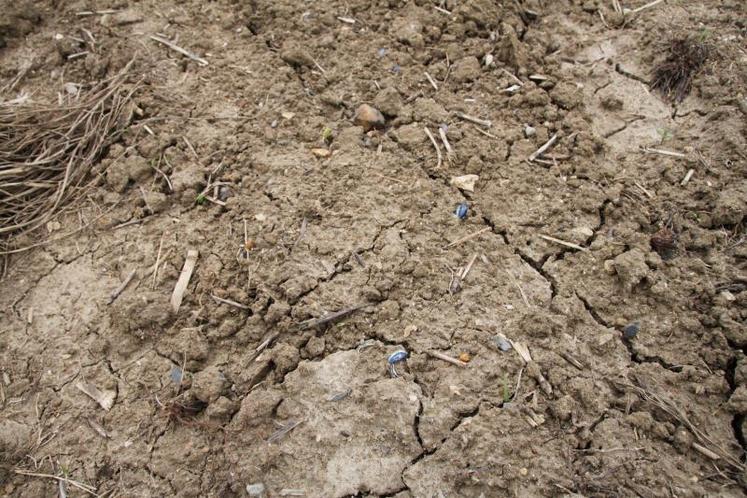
x: 183, y: 282
x: 179, y: 49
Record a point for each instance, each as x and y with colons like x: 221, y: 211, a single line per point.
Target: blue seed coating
x: 397, y: 356
x: 461, y: 210
x: 631, y: 330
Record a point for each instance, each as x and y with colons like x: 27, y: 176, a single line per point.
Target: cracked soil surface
x: 216, y: 397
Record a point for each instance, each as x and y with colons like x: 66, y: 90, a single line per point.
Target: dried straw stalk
x: 48, y: 151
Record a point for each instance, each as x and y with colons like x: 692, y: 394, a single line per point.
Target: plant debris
x: 674, y: 76
x: 47, y: 151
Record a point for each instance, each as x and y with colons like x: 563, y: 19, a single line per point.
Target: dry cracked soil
x: 252, y: 158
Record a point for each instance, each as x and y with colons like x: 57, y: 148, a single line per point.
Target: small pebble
x: 397, y: 356
x: 257, y: 489
x: 381, y: 52
x: 529, y: 131
x: 368, y: 117
x: 465, y: 357
x: 631, y: 330
x: 461, y: 210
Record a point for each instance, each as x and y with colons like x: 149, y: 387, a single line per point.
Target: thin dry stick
x: 472, y: 119
x: 84, y: 487
x: 564, y: 243
x: 485, y: 132
x: 115, y: 294
x: 687, y: 178
x: 330, y: 317
x: 446, y: 358
x: 158, y: 261
x: 544, y: 148
x: 570, y: 359
x: 662, y: 152
x: 648, y: 194
x: 468, y: 268
x: 230, y: 302
x: 277, y: 435
x: 468, y: 237
x: 435, y: 144
x: 431, y: 81
x: 644, y: 7
x: 447, y: 145
x: 191, y: 149
x: 513, y: 77
x: 521, y: 291
x: 179, y: 49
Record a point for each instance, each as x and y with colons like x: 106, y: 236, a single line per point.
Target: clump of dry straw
x: 47, y: 151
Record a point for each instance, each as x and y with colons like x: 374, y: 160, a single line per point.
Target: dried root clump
x: 674, y: 76
x: 47, y: 151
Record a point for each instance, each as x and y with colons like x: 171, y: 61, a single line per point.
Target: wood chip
x: 183, y: 282
x: 105, y: 399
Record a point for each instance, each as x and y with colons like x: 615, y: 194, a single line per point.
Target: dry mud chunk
x: 408, y: 31
x: 631, y: 268
x: 334, y: 446
x: 410, y: 135
x: 119, y: 174
x: 15, y: 439
x: 285, y: 358
x: 17, y: 20
x: 389, y: 101
x: 296, y: 56
x: 466, y: 69
x: 427, y: 109
x: 209, y: 384
x: 187, y: 177
x: 730, y: 207
x: 141, y: 314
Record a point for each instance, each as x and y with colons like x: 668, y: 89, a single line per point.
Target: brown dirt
x: 369, y: 224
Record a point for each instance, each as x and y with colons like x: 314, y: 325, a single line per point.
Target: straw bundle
x: 47, y: 151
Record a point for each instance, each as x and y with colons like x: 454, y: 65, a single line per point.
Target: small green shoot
x: 200, y: 199
x: 327, y: 135
x: 506, y: 391
x: 665, y: 135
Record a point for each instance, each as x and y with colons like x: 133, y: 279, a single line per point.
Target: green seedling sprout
x: 327, y: 134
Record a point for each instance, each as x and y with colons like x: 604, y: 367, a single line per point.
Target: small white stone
x: 529, y: 131
x: 257, y: 489
x: 465, y: 182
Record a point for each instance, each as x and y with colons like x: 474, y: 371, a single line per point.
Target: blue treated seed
x: 461, y: 210
x: 397, y: 356
x: 176, y: 375
x: 396, y: 69
x: 504, y: 345
x: 631, y: 330
x: 381, y: 52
